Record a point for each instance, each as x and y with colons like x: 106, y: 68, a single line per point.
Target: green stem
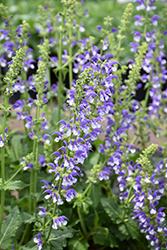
x: 87, y: 189
x: 1, y: 82
x: 128, y: 200
x: 70, y: 63
x: 51, y: 99
x: 31, y: 181
x: 82, y: 221
x: 118, y: 49
x: 134, y: 139
x: 79, y: 35
x: 60, y: 78
x: 3, y: 163
x: 55, y: 207
x: 50, y: 227
x: 66, y: 64
x: 37, y: 156
x: 146, y: 17
x: 31, y: 191
x: 2, y: 206
x: 13, y: 176
x: 27, y: 229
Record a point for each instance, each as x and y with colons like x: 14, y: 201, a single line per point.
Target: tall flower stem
x: 51, y: 99
x: 70, y: 55
x: 82, y: 221
x: 3, y: 163
x: 31, y: 182
x: 55, y: 207
x: 60, y: 78
x: 36, y: 156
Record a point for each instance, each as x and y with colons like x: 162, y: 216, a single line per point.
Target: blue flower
x: 59, y: 222
x: 42, y: 211
x: 38, y: 240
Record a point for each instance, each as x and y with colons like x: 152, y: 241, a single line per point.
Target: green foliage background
x: 98, y: 9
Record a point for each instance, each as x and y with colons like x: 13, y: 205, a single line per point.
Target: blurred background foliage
x: 98, y: 9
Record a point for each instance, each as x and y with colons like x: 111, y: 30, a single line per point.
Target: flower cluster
x: 143, y: 187
x: 154, y: 72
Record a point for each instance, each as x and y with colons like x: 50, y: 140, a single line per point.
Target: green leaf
x: 95, y: 195
x: 30, y: 246
x: 96, y: 220
x: 28, y: 218
x: 151, y: 126
x: 112, y: 241
x: 86, y: 205
x: 112, y: 209
x: 17, y: 147
x: 122, y: 228
x: 58, y: 238
x: 100, y: 236
x: 78, y: 244
x: 64, y: 71
x: 73, y: 222
x: 9, y: 228
x: 117, y: 233
x: 130, y: 229
x: 94, y: 158
x: 13, y: 185
x: 22, y: 202
x: 133, y: 229
x: 54, y: 116
x: 2, y: 107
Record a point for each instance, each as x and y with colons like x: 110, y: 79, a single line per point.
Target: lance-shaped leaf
x: 112, y: 209
x: 13, y: 185
x: 58, y: 238
x: 101, y: 236
x: 9, y: 227
x: 77, y: 243
x: 96, y: 194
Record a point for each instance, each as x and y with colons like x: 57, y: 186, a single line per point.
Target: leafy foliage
x: 112, y: 209
x: 78, y: 243
x: 13, y: 185
x: 9, y: 228
x: 58, y: 239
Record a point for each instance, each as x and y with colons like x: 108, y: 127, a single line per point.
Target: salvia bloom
x: 59, y: 222
x: 38, y: 241
x: 148, y: 188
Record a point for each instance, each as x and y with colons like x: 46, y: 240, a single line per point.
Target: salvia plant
x: 74, y: 177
